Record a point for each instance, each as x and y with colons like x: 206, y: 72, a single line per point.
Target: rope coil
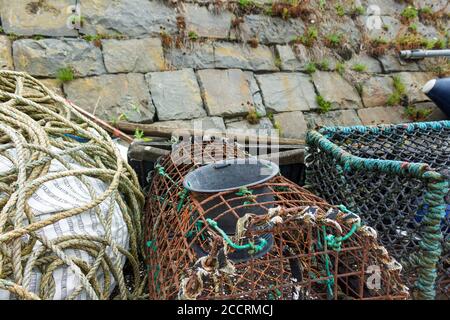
x: 87, y: 239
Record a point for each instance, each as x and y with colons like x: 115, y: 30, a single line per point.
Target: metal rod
x: 419, y: 53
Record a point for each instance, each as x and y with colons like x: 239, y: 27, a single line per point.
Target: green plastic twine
x: 244, y: 192
x: 248, y: 193
x: 162, y: 172
x: 277, y: 292
x: 198, y: 227
x: 183, y: 195
x: 152, y: 245
x: 330, y: 281
x: 250, y: 246
x: 335, y: 242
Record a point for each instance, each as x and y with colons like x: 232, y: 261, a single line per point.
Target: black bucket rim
x: 273, y: 165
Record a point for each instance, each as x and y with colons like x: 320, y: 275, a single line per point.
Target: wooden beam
x: 166, y: 132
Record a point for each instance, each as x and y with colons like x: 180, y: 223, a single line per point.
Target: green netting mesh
x: 396, y: 177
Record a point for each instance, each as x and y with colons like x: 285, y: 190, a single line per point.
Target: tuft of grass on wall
x: 415, y: 114
x: 334, y: 40
x: 65, y: 74
x: 324, y: 105
x: 409, y: 13
x: 310, y: 67
x: 399, y: 92
x: 193, y: 36
x: 359, y: 67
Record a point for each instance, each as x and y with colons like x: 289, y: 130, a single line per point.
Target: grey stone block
x: 332, y: 118
x: 382, y: 115
x: 335, y: 89
x: 372, y: 65
x: 386, y: 27
x: 128, y: 17
x: 6, y: 59
x: 206, y: 123
x: 207, y: 24
x: 383, y: 7
x: 436, y: 113
x: 176, y: 95
x: 392, y: 63
x: 376, y: 91
x: 287, y: 92
x: 110, y: 96
x: 241, y: 56
x: 256, y: 94
x: 315, y: 54
x: 135, y: 55
x: 48, y: 18
x: 264, y: 123
x: 414, y: 81
x: 226, y: 92
x: 289, y: 61
x: 196, y: 56
x: 346, y: 27
x: 45, y: 57
x: 270, y: 29
x: 291, y: 124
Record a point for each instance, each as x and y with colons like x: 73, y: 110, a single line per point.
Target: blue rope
x: 76, y: 138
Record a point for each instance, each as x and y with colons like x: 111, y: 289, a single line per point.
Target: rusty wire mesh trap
x: 286, y: 243
x: 396, y: 178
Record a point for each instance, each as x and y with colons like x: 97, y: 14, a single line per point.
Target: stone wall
x: 235, y: 64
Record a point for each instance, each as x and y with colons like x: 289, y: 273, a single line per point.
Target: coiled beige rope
x: 42, y: 127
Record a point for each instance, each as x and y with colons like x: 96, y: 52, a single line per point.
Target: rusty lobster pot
x: 285, y: 253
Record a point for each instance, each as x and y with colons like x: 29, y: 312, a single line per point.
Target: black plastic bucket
x: 232, y: 175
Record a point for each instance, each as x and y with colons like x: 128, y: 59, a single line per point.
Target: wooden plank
x: 167, y: 132
x: 286, y: 157
x: 147, y: 151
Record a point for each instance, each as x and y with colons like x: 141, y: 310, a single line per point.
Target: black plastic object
x: 142, y: 157
x: 233, y: 175
x: 438, y: 90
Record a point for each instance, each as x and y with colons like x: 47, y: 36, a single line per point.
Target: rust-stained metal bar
x: 114, y: 131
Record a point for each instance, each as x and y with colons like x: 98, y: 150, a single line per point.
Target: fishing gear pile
x: 70, y: 207
x: 270, y: 240
x: 396, y: 177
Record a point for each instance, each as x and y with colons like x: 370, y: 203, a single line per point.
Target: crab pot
x: 292, y: 249
x: 396, y: 178
x: 232, y: 175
